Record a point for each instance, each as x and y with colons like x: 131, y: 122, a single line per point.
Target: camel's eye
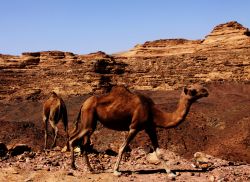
x: 203, y: 90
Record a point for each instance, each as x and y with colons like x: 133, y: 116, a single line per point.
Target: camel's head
x: 195, y: 92
x: 53, y: 94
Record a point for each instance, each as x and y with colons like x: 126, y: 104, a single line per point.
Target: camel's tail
x: 77, y: 121
x: 65, y: 117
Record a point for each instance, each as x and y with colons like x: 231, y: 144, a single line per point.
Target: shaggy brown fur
x: 123, y: 110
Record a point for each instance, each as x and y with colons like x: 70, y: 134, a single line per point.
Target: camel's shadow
x: 153, y: 171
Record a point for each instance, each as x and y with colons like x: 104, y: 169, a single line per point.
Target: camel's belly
x: 115, y: 120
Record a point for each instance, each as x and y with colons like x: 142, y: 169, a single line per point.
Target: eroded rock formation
x: 161, y: 64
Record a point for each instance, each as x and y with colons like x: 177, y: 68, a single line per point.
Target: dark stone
x: 19, y: 149
x: 3, y: 149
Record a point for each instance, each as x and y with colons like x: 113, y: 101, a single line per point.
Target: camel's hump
x: 119, y: 89
x: 124, y: 91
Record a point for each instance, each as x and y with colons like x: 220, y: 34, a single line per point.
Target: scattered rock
x: 28, y: 180
x: 64, y: 149
x: 211, y: 178
x: 32, y: 94
x: 77, y: 150
x: 70, y: 173
x: 111, y: 152
x: 3, y: 149
x: 201, y: 161
x: 55, y: 163
x: 153, y: 159
x: 19, y: 149
x: 57, y: 148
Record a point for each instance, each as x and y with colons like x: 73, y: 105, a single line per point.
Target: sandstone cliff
x: 231, y: 35
x: 157, y: 65
x: 222, y: 56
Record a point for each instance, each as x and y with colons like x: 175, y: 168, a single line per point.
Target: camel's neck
x: 168, y: 120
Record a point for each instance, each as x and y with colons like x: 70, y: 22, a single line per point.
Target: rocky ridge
x: 224, y: 36
x: 155, y: 65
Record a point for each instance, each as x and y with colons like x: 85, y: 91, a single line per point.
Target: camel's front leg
x: 130, y: 136
x: 67, y: 133
x: 73, y: 166
x: 151, y: 131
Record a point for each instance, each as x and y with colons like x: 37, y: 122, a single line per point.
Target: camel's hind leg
x: 45, y: 123
x: 86, y: 139
x: 82, y: 135
x: 54, y: 117
x: 55, y: 131
x: 65, y: 124
x: 77, y: 140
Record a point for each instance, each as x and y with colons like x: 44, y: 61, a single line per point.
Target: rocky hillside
x: 157, y: 65
x: 231, y: 35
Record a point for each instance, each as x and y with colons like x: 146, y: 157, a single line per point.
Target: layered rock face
x: 158, y: 65
x: 163, y: 47
x: 33, y: 75
x: 166, y: 64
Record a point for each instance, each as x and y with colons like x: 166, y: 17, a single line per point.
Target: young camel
x: 54, y: 110
x: 123, y: 110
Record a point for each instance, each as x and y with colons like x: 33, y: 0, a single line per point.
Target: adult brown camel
x: 54, y: 110
x: 123, y: 110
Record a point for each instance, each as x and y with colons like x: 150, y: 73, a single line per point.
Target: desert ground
x: 218, y: 126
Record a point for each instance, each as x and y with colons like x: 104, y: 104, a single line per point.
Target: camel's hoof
x: 45, y: 148
x: 108, y: 171
x: 168, y: 171
x: 73, y: 166
x: 171, y: 175
x: 67, y: 148
x: 117, y: 173
x: 46, y: 151
x: 93, y: 172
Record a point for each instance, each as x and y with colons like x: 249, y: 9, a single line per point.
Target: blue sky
x: 85, y: 26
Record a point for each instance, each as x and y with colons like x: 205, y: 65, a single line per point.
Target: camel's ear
x: 185, y: 90
x: 53, y: 93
